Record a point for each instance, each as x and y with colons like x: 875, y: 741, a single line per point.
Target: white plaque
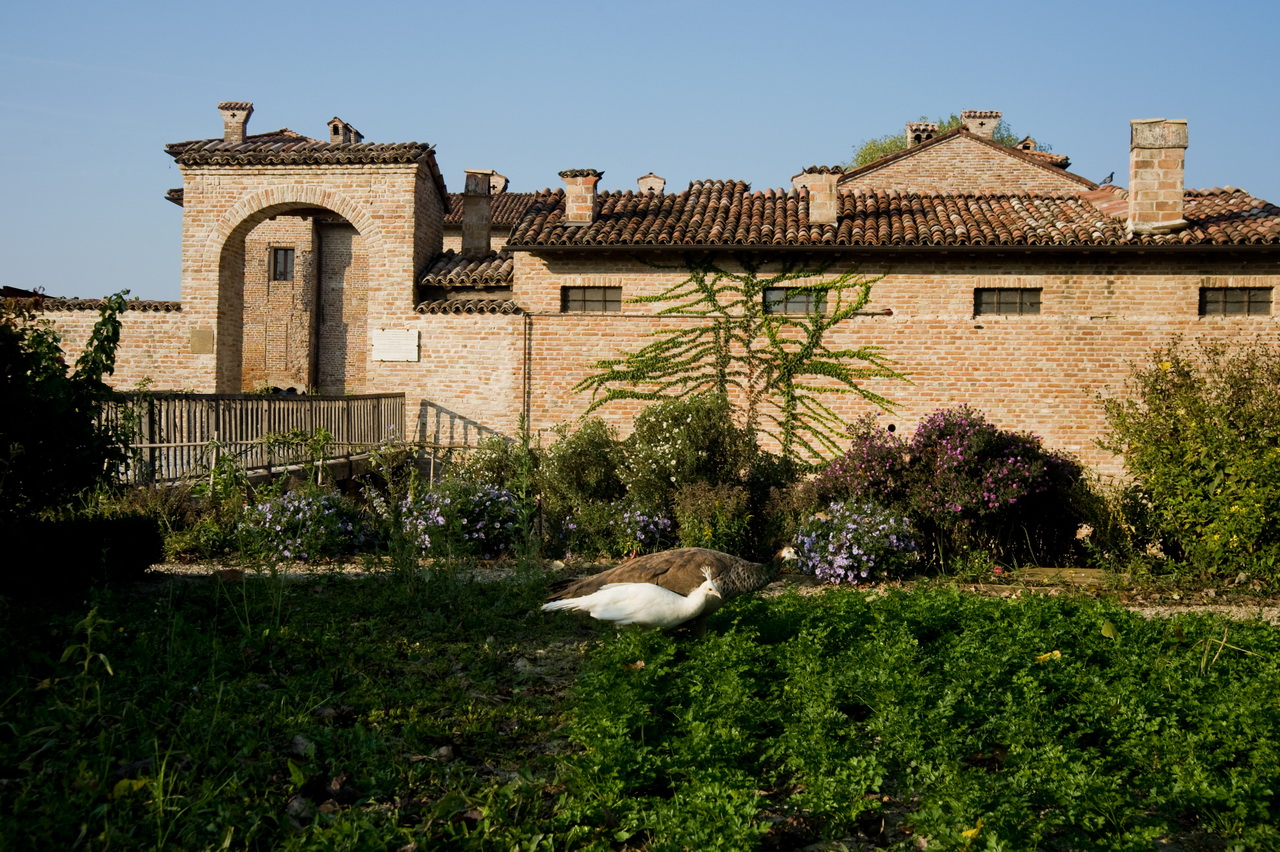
x: 395, y: 344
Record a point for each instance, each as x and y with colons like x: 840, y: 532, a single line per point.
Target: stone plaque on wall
x: 395, y: 344
x: 201, y: 341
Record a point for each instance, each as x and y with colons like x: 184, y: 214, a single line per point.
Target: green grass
x: 446, y: 712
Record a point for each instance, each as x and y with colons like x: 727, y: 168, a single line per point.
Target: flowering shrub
x: 680, y: 442
x: 613, y: 529
x: 965, y: 484
x: 855, y: 542
x: 874, y: 468
x: 406, y: 522
x: 1200, y: 434
x: 469, y: 520
x: 301, y: 527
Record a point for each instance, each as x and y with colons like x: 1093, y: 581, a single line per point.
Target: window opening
x: 1006, y: 300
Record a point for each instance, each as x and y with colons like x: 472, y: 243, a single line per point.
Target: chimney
x: 477, y: 212
x: 651, y: 183
x: 920, y: 131
x: 1157, y: 160
x: 821, y: 183
x: 235, y: 117
x: 981, y: 122
x: 497, y: 183
x: 580, y: 195
x: 342, y: 133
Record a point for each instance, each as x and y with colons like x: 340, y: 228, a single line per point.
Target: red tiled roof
x: 728, y: 213
x: 450, y: 269
x: 508, y: 207
x: 302, y: 152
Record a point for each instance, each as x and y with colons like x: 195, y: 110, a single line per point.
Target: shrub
x: 468, y: 519
x: 681, y: 442
x: 965, y: 484
x: 974, y: 485
x: 714, y: 516
x: 301, y: 526
x: 855, y: 542
x: 53, y: 445
x: 1200, y: 435
x: 612, y: 529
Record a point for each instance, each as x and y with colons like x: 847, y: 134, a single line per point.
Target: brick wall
x: 961, y: 164
x: 279, y: 316
x: 1039, y: 373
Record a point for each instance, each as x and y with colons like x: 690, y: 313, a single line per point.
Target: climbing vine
x: 775, y: 367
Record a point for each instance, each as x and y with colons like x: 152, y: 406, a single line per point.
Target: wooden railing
x: 180, y: 435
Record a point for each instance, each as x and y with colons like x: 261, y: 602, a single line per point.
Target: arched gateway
x: 293, y: 246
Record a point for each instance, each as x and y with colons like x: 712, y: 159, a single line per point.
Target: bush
x: 469, y: 519
x: 613, y: 529
x: 1200, y: 436
x: 301, y: 526
x: 682, y: 442
x: 714, y: 516
x: 855, y: 542
x: 65, y: 556
x: 965, y: 484
x: 52, y: 443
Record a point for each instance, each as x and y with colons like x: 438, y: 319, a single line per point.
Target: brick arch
x: 257, y: 206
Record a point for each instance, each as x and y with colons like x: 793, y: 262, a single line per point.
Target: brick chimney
x: 235, y: 118
x: 341, y: 132
x: 651, y: 183
x: 981, y: 122
x: 477, y: 212
x: 920, y: 131
x: 1157, y: 161
x: 580, y: 195
x: 821, y: 183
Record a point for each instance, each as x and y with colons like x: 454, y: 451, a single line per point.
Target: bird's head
x: 715, y: 587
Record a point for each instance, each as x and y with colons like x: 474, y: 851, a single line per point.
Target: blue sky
x: 91, y: 92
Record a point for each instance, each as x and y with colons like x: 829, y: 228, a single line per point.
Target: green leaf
x: 1109, y: 630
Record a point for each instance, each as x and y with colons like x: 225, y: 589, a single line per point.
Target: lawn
x: 437, y: 709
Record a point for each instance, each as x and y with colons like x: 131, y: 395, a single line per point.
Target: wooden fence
x: 179, y: 435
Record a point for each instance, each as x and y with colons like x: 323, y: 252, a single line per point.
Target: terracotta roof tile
x: 291, y: 152
x: 469, y: 306
x: 508, y: 207
x: 728, y: 213
x: 451, y: 269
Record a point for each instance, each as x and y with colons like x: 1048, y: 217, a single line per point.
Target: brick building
x: 1009, y: 283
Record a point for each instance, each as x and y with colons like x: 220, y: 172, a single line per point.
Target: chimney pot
x: 919, y: 132
x: 1157, y: 166
x: 651, y: 183
x: 342, y: 133
x: 477, y: 211
x: 580, y: 195
x: 820, y: 181
x: 235, y: 118
x: 981, y: 122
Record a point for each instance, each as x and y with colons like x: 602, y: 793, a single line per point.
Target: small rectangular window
x: 794, y: 300
x: 1006, y: 300
x: 590, y: 299
x: 1235, y: 301
x: 282, y: 264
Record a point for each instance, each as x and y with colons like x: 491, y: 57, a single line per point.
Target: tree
x: 52, y: 443
x: 871, y: 150
x: 774, y: 366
